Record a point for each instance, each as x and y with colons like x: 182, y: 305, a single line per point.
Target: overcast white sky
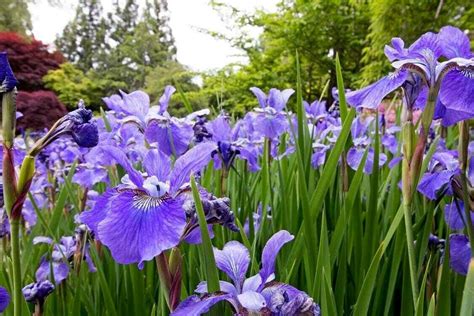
x: 199, y: 51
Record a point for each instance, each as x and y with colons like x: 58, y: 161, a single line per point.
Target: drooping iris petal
x: 195, y: 305
x: 88, y: 177
x: 454, y: 217
x: 98, y: 212
x: 234, y: 260
x: 459, y: 253
x: 193, y: 161
x: 372, y: 95
x: 4, y: 299
x: 194, y: 237
x: 431, y: 184
x: 252, y: 301
x: 226, y: 287
x: 156, y: 163
x: 355, y: 155
x: 270, y: 251
x: 60, y: 271
x: 457, y: 89
x: 139, y: 227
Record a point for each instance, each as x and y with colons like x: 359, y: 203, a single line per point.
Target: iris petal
x: 234, y: 260
x: 271, y: 250
x: 139, y: 227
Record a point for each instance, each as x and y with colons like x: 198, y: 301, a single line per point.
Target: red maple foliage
x: 29, y: 59
x: 40, y: 109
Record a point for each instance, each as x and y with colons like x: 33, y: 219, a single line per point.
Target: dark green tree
x: 83, y: 40
x: 14, y: 16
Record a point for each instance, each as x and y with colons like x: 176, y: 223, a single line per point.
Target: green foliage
x: 83, y: 41
x: 14, y: 16
x: 71, y: 84
x: 316, y: 29
x: 172, y: 72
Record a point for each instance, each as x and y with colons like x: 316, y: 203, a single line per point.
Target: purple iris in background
x: 441, y: 170
x: 362, y: 140
x: 172, y: 135
x: 270, y: 119
x: 147, y: 214
x: 257, y: 294
x: 62, y: 254
x: 459, y: 253
x: 419, y: 72
x: 4, y: 299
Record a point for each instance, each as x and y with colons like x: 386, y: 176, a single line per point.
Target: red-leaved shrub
x: 29, y: 59
x: 40, y: 109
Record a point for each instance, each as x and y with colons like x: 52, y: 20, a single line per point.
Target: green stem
x: 411, y: 251
x: 15, y: 243
x: 10, y: 193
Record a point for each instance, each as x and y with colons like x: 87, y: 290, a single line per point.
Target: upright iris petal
x: 234, y: 260
x: 258, y: 295
x: 270, y: 252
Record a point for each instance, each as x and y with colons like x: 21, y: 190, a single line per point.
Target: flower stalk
x: 10, y: 193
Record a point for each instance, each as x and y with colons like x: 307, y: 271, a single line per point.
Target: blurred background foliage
x: 129, y: 48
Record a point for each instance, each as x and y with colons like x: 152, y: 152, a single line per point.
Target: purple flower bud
x: 7, y: 78
x: 4, y: 299
x: 37, y: 291
x: 77, y: 124
x: 226, y: 152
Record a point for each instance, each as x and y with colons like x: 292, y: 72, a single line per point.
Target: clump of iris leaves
x: 313, y: 196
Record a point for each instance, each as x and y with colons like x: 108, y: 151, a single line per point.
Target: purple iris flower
x: 319, y: 154
x: 460, y: 253
x: 270, y: 119
x: 257, y: 294
x: 147, y: 213
x: 4, y: 299
x: 172, y: 135
x: 455, y: 216
x: 418, y: 71
x: 62, y: 253
x: 389, y: 140
x: 361, y: 140
x: 442, y: 168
